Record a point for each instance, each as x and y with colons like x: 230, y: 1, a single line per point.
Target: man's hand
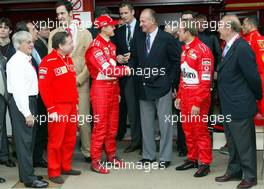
x: 78, y: 84
x: 195, y: 110
x: 177, y: 103
x: 120, y: 59
x: 54, y: 117
x: 127, y: 57
x: 30, y: 121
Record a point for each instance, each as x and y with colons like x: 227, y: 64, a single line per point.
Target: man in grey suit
x: 157, y: 57
x: 239, y: 87
x: 2, y: 100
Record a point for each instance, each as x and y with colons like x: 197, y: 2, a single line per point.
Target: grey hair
x: 20, y: 37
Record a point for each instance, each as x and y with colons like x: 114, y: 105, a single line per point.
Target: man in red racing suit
x: 57, y: 86
x: 194, y: 100
x: 256, y: 41
x: 101, y: 62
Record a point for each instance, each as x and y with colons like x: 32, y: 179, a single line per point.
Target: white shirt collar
x: 133, y: 23
x: 154, y: 33
x: 230, y: 43
x: 20, y: 53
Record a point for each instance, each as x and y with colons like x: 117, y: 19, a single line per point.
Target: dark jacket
x: 3, y: 75
x: 161, y: 67
x: 212, y: 42
x: 239, y: 82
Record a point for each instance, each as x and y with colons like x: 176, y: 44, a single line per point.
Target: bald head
x: 148, y: 20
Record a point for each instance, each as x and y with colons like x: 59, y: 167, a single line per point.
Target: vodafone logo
x: 189, y: 75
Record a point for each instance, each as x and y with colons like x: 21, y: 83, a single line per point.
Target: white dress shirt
x: 152, y: 37
x: 22, y: 80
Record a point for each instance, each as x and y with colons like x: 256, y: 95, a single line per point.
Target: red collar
x: 191, y: 45
x: 253, y: 33
x: 56, y: 54
x: 101, y: 39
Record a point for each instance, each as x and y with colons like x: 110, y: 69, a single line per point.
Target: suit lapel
x: 228, y: 55
x: 123, y: 37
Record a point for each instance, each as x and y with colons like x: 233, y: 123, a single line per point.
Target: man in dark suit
x: 41, y: 44
x: 210, y: 40
x: 3, y: 101
x: 7, y: 50
x: 239, y: 87
x: 42, y: 133
x: 158, y: 68
x: 125, y: 37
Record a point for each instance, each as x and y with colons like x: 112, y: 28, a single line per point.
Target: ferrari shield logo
x: 261, y: 44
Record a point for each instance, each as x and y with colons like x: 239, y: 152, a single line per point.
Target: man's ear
x: 133, y: 12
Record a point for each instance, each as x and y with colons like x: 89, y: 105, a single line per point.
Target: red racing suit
x: 195, y: 82
x: 256, y: 41
x: 101, y: 62
x: 57, y: 86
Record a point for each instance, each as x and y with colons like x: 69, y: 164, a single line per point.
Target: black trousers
x: 130, y: 106
x: 42, y: 132
x: 25, y: 140
x: 181, y: 143
x: 241, y: 139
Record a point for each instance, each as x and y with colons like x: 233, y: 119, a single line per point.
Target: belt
x: 30, y: 96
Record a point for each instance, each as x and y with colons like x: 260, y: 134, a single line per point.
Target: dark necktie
x: 128, y: 36
x: 148, y: 44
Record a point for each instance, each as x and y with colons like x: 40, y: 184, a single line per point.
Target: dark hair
x: 190, y: 26
x: 101, y: 11
x: 22, y: 25
x: 253, y: 20
x: 190, y: 12
x: 126, y: 3
x: 201, y: 17
x: 59, y: 39
x: 6, y: 21
x: 67, y: 4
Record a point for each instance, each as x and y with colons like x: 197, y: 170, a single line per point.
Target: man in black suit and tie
x: 239, y: 87
x: 158, y: 69
x: 125, y: 37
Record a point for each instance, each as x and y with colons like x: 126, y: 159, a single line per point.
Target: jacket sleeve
x: 205, y: 70
x: 84, y: 75
x: 174, y: 54
x: 96, y: 57
x: 45, y: 80
x: 217, y: 51
x: 248, y: 66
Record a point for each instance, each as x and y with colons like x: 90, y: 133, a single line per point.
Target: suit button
x: 144, y: 84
